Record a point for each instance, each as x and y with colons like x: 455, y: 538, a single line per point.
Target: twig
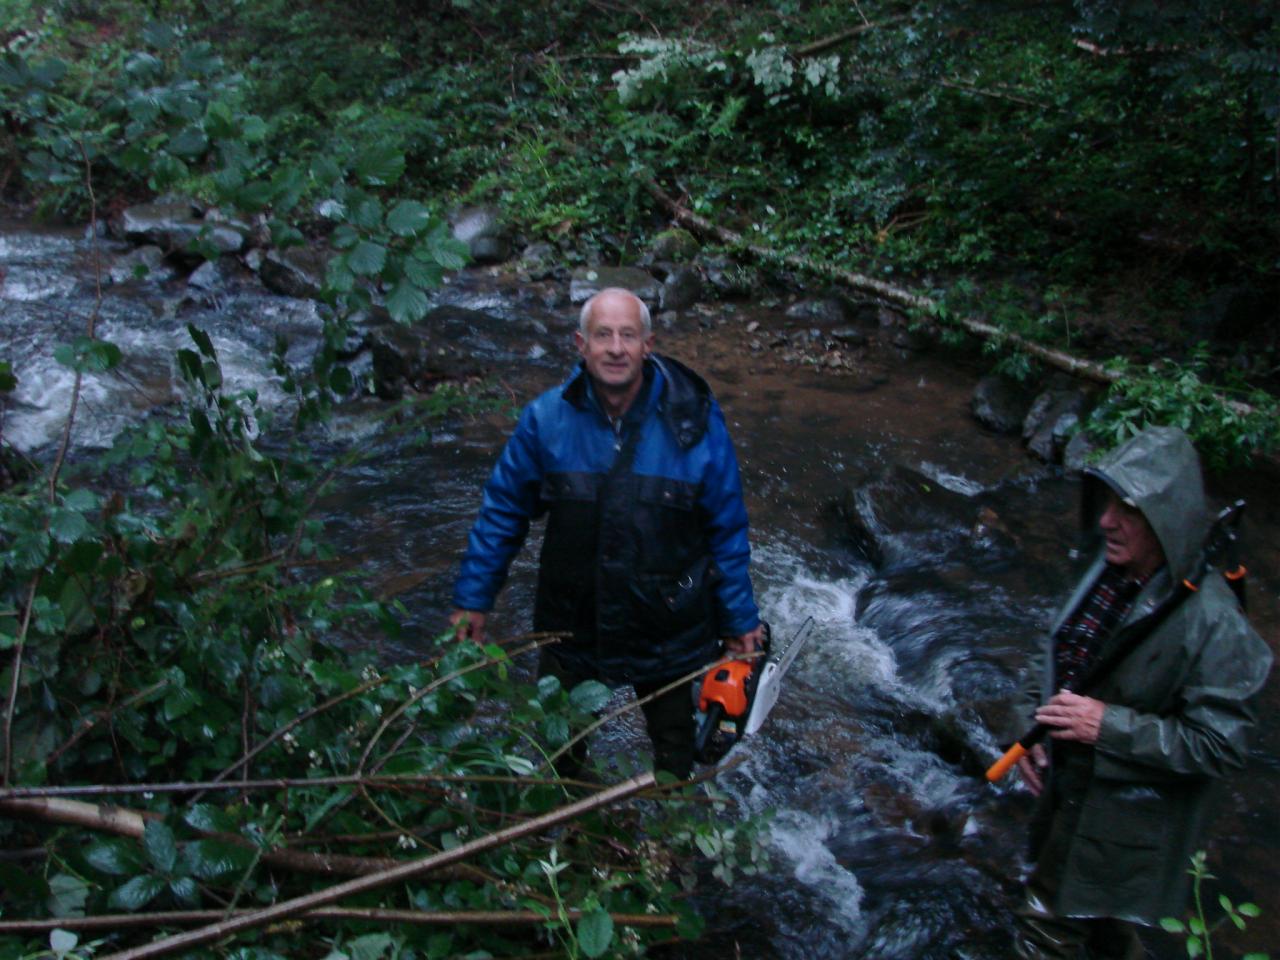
x: 437, y: 683
x: 90, y: 722
x: 819, y: 46
x: 503, y: 918
x: 627, y: 707
x: 397, y: 874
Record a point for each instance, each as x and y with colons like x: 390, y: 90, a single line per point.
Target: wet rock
x: 681, y: 289
x: 142, y: 264
x: 898, y: 331
x: 674, y: 245
x: 826, y: 312
x: 539, y: 261
x: 402, y: 359
x: 588, y: 281
x: 175, y: 224
x: 849, y: 336
x: 1078, y: 452
x: 482, y: 230
x: 1051, y: 419
x: 1000, y: 404
x: 900, y: 501
x: 730, y: 279
x: 212, y: 276
x: 295, y: 272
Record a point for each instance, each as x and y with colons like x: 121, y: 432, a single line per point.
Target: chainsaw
x: 737, y: 695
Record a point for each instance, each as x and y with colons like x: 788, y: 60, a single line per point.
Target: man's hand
x: 1072, y: 717
x: 468, y: 624
x: 747, y: 642
x: 1032, y: 766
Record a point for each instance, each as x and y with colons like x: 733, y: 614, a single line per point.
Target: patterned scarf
x: 1082, y: 634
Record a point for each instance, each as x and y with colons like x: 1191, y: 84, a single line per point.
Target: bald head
x: 617, y: 301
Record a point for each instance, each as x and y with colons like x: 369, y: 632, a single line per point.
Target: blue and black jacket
x: 645, y: 558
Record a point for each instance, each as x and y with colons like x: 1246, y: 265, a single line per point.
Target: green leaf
x: 449, y: 253
x: 407, y: 303
x: 380, y: 166
x: 7, y: 380
x: 425, y: 275
x: 207, y: 818
x: 180, y: 702
x: 1249, y: 910
x: 407, y: 218
x: 518, y: 764
x: 1194, y: 947
x: 590, y: 696
x: 367, y: 258
x: 372, y: 946
x: 189, y: 142
x: 116, y: 858
x: 185, y: 891
x: 1172, y: 925
x: 137, y: 893
x: 344, y: 237
x: 160, y: 844
x: 67, y: 896
x: 340, y: 380
x: 595, y: 932
x: 81, y: 499
x: 87, y: 355
x: 62, y: 942
x: 68, y: 526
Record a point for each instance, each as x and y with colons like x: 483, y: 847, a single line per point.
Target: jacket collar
x: 681, y: 397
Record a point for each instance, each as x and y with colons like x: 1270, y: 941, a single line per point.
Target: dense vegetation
x: 1084, y: 175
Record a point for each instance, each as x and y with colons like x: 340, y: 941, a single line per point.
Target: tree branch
x: 826, y: 43
x: 398, y: 874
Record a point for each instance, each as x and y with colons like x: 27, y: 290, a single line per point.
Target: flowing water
x: 884, y: 840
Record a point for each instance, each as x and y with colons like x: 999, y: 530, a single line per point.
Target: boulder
x: 294, y: 272
x: 730, y: 279
x: 899, y: 505
x: 586, y: 282
x: 482, y: 230
x: 1000, y: 404
x: 539, y: 261
x: 849, y: 336
x: 824, y: 312
x: 173, y: 225
x: 681, y: 289
x: 1053, y: 416
x: 1078, y: 451
x: 141, y: 263
x: 674, y: 245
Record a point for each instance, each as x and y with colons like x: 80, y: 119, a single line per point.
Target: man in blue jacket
x: 644, y: 561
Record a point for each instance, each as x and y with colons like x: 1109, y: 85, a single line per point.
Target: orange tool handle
x: 1001, y: 766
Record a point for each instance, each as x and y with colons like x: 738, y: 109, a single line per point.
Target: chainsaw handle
x: 1001, y: 766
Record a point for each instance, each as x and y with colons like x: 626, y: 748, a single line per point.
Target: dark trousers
x: 668, y: 719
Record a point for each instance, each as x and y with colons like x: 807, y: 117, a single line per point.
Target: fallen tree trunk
x: 397, y: 874
x: 504, y: 918
x: 1076, y: 366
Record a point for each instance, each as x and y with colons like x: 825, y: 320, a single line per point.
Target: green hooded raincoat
x: 1179, y: 707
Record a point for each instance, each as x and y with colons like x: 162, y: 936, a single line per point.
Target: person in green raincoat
x: 1126, y: 785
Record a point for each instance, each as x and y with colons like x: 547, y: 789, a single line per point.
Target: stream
x: 884, y: 840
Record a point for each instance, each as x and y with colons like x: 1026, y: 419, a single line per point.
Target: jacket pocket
x: 1121, y: 841
x: 673, y: 603
x: 667, y: 492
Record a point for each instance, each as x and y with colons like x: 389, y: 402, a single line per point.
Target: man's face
x: 615, y: 345
x: 1130, y: 542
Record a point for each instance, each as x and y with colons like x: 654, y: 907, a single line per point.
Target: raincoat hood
x: 1158, y: 472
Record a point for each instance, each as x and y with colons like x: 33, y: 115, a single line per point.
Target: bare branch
x: 398, y: 874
